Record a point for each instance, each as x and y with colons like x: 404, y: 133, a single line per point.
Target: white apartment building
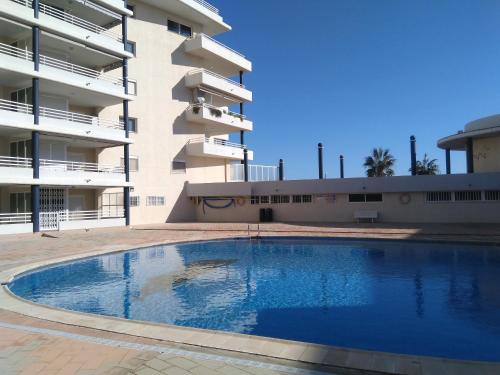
x: 108, y: 108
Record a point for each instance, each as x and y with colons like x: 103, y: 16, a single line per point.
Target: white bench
x: 366, y: 214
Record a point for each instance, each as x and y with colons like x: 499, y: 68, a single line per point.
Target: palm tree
x: 427, y: 166
x: 379, y: 163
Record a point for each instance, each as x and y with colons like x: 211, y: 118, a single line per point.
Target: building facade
x: 108, y: 108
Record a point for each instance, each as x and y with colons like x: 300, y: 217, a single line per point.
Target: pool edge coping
x: 273, y: 348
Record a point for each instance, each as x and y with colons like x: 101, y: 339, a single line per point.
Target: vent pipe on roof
x: 413, y: 150
x: 341, y: 166
x: 320, y: 161
x: 281, y: 170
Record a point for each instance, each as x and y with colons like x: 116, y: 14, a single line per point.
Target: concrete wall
x: 486, y: 153
x: 337, y: 208
x: 159, y: 68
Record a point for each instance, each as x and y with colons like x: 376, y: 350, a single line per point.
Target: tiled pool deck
x: 39, y: 340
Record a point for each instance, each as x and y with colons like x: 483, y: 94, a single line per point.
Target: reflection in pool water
x: 406, y: 297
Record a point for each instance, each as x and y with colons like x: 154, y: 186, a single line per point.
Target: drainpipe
x: 281, y: 170
x: 320, y: 161
x: 341, y: 166
x: 448, y: 161
x: 245, y: 164
x: 413, y: 151
x: 469, y: 155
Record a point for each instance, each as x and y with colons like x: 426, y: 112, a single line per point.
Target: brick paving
x: 24, y: 352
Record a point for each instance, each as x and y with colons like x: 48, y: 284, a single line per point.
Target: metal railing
x: 80, y: 70
x: 15, y: 218
x: 209, y: 72
x: 216, y: 141
x: 208, y: 6
x: 15, y: 162
x: 7, y: 105
x: 91, y: 214
x: 69, y: 18
x: 217, y: 42
x: 210, y: 106
x: 255, y: 172
x: 16, y: 52
x: 66, y: 165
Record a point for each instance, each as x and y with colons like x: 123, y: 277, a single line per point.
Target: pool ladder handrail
x: 258, y: 231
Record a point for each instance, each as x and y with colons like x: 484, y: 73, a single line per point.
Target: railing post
x: 341, y: 166
x: 320, y: 161
x: 448, y: 161
x: 413, y: 155
x: 281, y: 170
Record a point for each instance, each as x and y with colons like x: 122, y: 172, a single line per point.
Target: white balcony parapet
x: 214, y: 108
x: 15, y: 162
x: 61, y: 220
x: 69, y: 18
x: 202, y: 35
x: 205, y: 71
x: 60, y: 64
x: 91, y: 214
x: 15, y: 218
x: 216, y: 141
x: 208, y: 6
x: 255, y: 172
x: 65, y: 165
x: 46, y: 112
x: 217, y: 120
x: 222, y: 86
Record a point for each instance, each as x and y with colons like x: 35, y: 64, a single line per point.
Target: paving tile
x: 181, y: 362
x: 230, y: 370
x: 176, y: 371
x: 147, y: 371
x: 157, y: 364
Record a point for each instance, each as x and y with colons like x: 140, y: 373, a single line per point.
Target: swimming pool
x: 395, y: 296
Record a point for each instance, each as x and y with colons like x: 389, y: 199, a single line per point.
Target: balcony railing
x: 208, y: 6
x: 215, y: 111
x: 92, y: 214
x: 8, y: 105
x: 255, y: 172
x: 15, y: 218
x: 205, y: 71
x: 74, y: 20
x: 15, y: 162
x: 216, y: 141
x: 65, y: 165
x: 59, y: 64
x: 217, y: 42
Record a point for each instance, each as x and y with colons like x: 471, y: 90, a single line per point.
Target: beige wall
x: 486, y: 154
x: 159, y: 68
x: 340, y: 210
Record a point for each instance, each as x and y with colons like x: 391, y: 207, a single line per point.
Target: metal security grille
x: 492, y: 195
x: 52, y: 201
x: 438, y: 196
x: 467, y: 196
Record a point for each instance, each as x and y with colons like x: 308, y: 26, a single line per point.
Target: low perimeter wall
x: 395, y: 208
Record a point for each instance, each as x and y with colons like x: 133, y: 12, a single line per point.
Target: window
x: 467, y: 196
x: 132, y: 124
x: 301, y: 198
x: 132, y: 87
x: 130, y: 47
x: 264, y: 199
x: 155, y: 201
x: 135, y: 201
x: 254, y: 199
x: 307, y: 199
x: 133, y: 163
x: 297, y: 199
x: 179, y: 28
x: 21, y: 149
x: 276, y: 199
x: 112, y: 204
x: 492, y: 195
x: 438, y: 196
x: 20, y: 202
x: 24, y: 96
x: 178, y: 166
x: 361, y: 198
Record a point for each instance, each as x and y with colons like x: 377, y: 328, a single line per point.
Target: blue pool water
x: 406, y: 297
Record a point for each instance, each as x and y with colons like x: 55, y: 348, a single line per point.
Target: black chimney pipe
x: 341, y: 166
x: 281, y: 170
x: 413, y: 148
x: 320, y: 160
x: 448, y: 161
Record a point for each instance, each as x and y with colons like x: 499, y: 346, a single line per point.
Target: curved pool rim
x: 221, y: 340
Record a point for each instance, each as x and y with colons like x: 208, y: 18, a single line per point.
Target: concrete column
x: 245, y: 163
x: 470, y: 156
x: 35, y: 207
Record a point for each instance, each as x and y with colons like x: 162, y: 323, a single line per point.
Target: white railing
x: 69, y: 18
x: 217, y: 42
x: 16, y: 52
x: 7, y: 105
x: 80, y: 70
x: 15, y: 218
x: 255, y: 172
x: 208, y: 6
x: 215, y: 141
x: 9, y: 161
x: 65, y: 165
x: 80, y: 118
x: 209, y: 72
x: 212, y: 107
x: 91, y: 215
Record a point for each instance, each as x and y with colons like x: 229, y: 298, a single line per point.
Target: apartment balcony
x: 66, y: 219
x: 220, y: 85
x: 216, y: 148
x: 15, y: 170
x: 68, y: 25
x: 105, y: 132
x: 60, y: 74
x: 228, y: 61
x: 16, y: 222
x: 217, y: 120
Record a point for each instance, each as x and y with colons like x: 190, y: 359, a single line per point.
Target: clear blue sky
x: 364, y: 73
